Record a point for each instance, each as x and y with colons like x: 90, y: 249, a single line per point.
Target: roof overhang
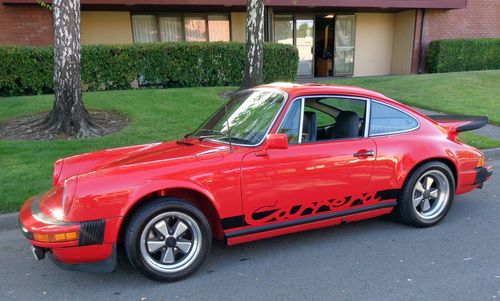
x: 364, y: 4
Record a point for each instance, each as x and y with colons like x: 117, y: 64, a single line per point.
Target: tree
x: 68, y: 114
x: 254, y: 59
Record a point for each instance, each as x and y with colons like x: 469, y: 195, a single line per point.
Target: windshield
x: 249, y: 116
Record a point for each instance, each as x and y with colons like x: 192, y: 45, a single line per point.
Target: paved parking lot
x: 371, y: 260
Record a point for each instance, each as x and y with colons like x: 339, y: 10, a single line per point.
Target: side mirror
x: 274, y: 141
x: 277, y: 141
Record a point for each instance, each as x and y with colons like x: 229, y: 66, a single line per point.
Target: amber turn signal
x: 55, y: 237
x: 480, y: 162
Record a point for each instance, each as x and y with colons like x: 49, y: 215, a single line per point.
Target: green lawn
x: 466, y: 93
x: 155, y: 115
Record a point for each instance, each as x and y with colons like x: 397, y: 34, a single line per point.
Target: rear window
x: 386, y: 120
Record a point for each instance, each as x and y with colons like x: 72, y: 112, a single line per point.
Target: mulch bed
x: 24, y: 128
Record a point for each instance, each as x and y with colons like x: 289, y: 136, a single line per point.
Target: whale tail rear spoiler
x: 456, y: 124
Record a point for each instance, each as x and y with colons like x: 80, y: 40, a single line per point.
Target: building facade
x: 334, y: 37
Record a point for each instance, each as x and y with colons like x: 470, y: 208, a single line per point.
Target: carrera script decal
x: 277, y: 213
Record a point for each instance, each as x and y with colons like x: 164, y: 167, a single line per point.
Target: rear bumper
x: 93, y: 251
x: 482, y: 174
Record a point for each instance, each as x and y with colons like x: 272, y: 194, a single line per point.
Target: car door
x: 307, y: 179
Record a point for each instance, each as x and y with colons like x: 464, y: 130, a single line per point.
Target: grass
x: 156, y: 115
x: 466, y: 93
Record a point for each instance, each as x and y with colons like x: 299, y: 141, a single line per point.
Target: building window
x: 170, y: 29
x: 283, y: 31
x: 196, y: 29
x: 218, y: 28
x: 144, y: 28
x: 193, y: 28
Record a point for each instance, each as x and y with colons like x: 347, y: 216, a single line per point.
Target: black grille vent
x: 91, y: 233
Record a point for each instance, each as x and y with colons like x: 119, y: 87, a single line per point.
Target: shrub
x: 29, y: 70
x: 464, y: 55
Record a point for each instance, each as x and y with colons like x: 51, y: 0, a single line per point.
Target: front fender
x: 146, y: 189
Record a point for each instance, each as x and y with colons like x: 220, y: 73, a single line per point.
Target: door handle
x: 364, y: 154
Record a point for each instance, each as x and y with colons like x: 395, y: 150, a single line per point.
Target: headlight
x: 69, y: 193
x: 58, y: 165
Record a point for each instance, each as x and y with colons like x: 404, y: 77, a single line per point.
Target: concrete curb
x: 9, y: 221
x: 492, y: 153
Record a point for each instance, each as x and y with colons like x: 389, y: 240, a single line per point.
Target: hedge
x: 463, y: 55
x: 28, y: 70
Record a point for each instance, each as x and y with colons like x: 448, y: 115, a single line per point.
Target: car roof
x: 311, y: 89
x: 297, y: 90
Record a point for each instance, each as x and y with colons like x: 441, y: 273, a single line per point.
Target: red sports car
x: 274, y: 160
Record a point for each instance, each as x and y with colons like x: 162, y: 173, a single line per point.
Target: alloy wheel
x: 431, y: 194
x: 170, y: 242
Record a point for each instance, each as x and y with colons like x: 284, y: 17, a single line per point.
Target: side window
x: 323, y: 118
x: 291, y: 124
x: 343, y: 104
x: 349, y: 120
x: 386, y: 120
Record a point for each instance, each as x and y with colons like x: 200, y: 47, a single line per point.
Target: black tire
x: 165, y: 210
x: 415, y: 216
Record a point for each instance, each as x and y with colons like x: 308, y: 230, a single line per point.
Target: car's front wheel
x: 167, y: 239
x: 427, y: 195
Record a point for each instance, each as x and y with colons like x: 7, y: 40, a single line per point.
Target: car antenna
x: 228, y: 129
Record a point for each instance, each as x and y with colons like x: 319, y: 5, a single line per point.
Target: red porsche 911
x: 276, y: 159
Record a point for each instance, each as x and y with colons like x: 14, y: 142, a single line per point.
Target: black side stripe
x: 388, y: 194
x: 233, y: 222
x: 239, y: 220
x: 307, y: 220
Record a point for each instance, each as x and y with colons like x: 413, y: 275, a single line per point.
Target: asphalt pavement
x: 378, y: 259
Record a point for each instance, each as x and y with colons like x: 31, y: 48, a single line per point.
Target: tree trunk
x: 68, y: 114
x: 254, y: 60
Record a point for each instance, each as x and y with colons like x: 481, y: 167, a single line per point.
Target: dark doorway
x: 324, y: 45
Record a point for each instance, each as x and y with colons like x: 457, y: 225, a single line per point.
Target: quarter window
x: 386, y: 120
x: 291, y: 124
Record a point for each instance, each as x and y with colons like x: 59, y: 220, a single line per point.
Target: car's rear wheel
x: 167, y: 239
x: 427, y: 195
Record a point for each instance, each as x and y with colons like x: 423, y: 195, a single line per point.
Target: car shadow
x: 224, y: 260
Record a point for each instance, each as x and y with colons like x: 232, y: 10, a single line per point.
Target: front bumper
x: 93, y: 251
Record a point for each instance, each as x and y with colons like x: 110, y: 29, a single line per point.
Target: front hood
x: 139, y: 154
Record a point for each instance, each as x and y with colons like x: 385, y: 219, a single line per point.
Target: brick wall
x: 25, y: 25
x: 481, y: 19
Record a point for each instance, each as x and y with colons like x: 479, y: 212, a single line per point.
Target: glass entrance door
x: 344, y: 45
x: 304, y: 41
